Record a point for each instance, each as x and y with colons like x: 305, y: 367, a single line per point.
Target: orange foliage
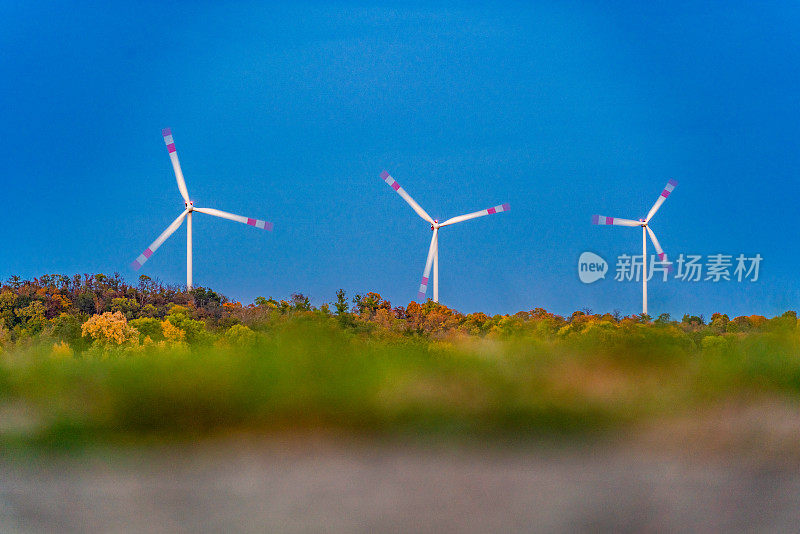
x: 111, y: 328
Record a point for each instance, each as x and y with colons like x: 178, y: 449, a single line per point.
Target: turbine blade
x: 402, y: 192
x: 489, y: 211
x: 656, y: 244
x: 264, y: 225
x: 423, y: 286
x: 176, y: 166
x: 144, y: 256
x: 602, y: 220
x: 661, y: 198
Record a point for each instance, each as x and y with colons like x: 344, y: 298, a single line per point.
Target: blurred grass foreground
x: 180, y: 370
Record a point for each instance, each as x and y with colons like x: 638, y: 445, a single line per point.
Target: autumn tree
x: 110, y: 328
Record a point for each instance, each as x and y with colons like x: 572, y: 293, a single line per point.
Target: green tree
x: 195, y: 330
x: 366, y: 306
x: 664, y: 318
x: 148, y: 327
x: 127, y: 306
x: 85, y: 303
x: 269, y: 303
x: 239, y: 335
x: 148, y: 310
x: 32, y: 318
x: 8, y: 301
x: 67, y: 328
x: 341, y: 302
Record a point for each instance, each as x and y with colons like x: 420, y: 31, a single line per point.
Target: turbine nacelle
x: 435, y: 225
x: 189, y: 206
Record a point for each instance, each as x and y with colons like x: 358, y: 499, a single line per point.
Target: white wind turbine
x: 646, y: 230
x: 433, y: 251
x: 187, y: 214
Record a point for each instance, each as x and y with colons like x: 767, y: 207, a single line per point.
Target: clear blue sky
x: 289, y: 113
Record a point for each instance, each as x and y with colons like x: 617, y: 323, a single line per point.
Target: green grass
x: 306, y: 375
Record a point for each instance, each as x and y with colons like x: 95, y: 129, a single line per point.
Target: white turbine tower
x: 433, y: 251
x: 646, y: 230
x: 187, y: 214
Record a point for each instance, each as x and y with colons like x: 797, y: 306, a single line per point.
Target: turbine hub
x: 189, y: 206
x: 435, y: 224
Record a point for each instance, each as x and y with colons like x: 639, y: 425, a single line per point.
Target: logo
x: 591, y: 267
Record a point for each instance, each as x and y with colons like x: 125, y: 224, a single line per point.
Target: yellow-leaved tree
x: 62, y: 350
x: 172, y: 333
x: 110, y: 329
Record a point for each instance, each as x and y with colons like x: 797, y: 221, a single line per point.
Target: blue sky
x: 289, y: 113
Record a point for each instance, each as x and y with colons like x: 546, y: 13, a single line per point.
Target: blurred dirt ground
x: 732, y: 468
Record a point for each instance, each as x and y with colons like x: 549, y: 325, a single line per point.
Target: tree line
x: 75, y: 313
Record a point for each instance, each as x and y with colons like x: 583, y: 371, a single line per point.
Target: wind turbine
x: 187, y: 214
x: 646, y: 230
x: 433, y: 251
